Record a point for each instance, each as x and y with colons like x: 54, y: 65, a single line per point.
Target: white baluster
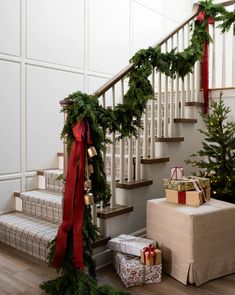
x: 165, y: 130
x: 182, y: 83
x: 113, y: 160
x: 213, y: 67
x: 145, y: 133
x: 159, y: 106
x: 152, y: 121
x: 171, y: 115
x: 233, y: 56
x: 223, y: 60
x: 104, y: 152
x: 177, y: 93
x: 122, y: 162
x: 130, y: 160
x: 137, y: 162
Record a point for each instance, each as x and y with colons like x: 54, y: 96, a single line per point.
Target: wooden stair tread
x: 108, y: 212
x: 155, y: 160
x: 101, y: 241
x: 184, y: 120
x: 52, y: 170
x: 168, y: 139
x: 60, y: 154
x: 194, y: 104
x: 134, y: 184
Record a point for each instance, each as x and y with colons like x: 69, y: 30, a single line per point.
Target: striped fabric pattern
x: 43, y: 204
x: 27, y: 233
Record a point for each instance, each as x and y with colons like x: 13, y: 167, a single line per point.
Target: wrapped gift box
x: 186, y: 183
x: 132, y: 272
x: 191, y: 198
x: 177, y: 173
x: 151, y: 256
x: 129, y: 244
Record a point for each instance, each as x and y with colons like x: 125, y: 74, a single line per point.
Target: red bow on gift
x: 150, y: 249
x: 209, y: 21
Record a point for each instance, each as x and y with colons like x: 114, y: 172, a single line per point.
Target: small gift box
x: 177, y: 173
x: 191, y: 198
x: 150, y: 256
x: 186, y: 183
x: 129, y: 244
x: 132, y: 272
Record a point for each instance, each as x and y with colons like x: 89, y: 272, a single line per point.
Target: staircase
x: 135, y: 167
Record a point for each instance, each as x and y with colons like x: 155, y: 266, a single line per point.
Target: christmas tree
x: 216, y: 159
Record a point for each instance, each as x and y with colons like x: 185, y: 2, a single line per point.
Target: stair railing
x: 222, y: 56
x: 169, y: 103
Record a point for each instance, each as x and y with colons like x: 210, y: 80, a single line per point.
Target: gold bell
x: 88, y: 199
x: 91, y: 151
x: 87, y: 185
x: 90, y: 169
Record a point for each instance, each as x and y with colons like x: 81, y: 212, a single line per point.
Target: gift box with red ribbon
x: 150, y: 256
x: 129, y: 244
x: 191, y: 198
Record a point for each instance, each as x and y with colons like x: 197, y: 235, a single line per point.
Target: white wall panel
x: 170, y: 25
x: 148, y: 26
x: 178, y: 10
x: 10, y: 117
x: 7, y: 201
x: 55, y: 31
x: 10, y: 27
x: 45, y: 88
x: 95, y: 82
x: 158, y: 5
x: 108, y: 35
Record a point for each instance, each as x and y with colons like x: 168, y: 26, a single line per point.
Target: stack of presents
x: 192, y: 190
x: 136, y: 260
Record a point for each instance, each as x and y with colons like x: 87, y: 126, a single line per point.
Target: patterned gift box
x: 129, y: 244
x: 150, y: 256
x: 177, y: 173
x: 132, y: 272
x: 27, y: 234
x: 186, y: 184
x: 191, y: 198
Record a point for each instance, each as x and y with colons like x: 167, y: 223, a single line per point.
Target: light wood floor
x: 18, y: 275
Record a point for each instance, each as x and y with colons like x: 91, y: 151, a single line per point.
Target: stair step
x: 155, y: 160
x: 194, y: 104
x: 184, y: 120
x: 53, y: 180
x: 108, y: 212
x: 27, y: 233
x: 42, y: 203
x: 168, y: 139
x: 134, y: 184
x: 101, y: 241
x: 60, y: 154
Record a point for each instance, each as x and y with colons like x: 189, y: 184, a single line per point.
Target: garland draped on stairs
x: 124, y: 119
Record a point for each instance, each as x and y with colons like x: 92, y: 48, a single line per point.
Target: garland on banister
x: 124, y: 119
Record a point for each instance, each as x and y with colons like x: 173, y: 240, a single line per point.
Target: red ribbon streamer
x: 205, y: 72
x: 182, y: 197
x: 150, y: 249
x: 73, y: 211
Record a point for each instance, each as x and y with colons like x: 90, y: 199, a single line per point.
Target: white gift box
x: 130, y: 244
x: 177, y: 173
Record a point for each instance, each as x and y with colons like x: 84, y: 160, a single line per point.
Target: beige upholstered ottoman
x: 198, y: 244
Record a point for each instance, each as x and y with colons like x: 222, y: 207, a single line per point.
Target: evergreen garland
x: 125, y: 119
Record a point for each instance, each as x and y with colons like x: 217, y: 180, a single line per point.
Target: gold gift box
x: 151, y: 261
x: 186, y: 183
x: 192, y: 198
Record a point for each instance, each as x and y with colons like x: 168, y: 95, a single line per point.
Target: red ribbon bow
x: 209, y: 20
x: 73, y: 211
x: 150, y: 249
